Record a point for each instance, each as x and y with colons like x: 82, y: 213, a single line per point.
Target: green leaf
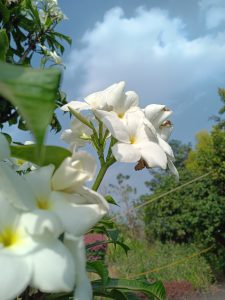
x: 33, y: 92
x: 63, y: 37
x: 100, y: 268
x: 4, y: 44
x: 118, y: 295
x: 110, y: 200
x: 155, y: 289
x: 51, y: 154
x: 113, y: 234
x: 4, y: 13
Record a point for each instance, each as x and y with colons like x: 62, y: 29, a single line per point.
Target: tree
x: 28, y: 30
x: 194, y: 213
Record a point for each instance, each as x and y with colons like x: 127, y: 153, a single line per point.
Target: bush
x: 144, y: 257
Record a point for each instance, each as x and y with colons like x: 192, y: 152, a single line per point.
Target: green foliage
x: 4, y: 44
x: 24, y: 33
x: 33, y: 93
x: 218, y: 119
x: 195, y: 213
x: 199, y: 159
x: 51, y: 154
x: 181, y: 152
x: 155, y: 289
x: 144, y: 257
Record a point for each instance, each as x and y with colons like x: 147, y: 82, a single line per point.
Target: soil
x: 216, y: 293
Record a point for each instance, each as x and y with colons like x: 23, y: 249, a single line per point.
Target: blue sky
x: 170, y: 52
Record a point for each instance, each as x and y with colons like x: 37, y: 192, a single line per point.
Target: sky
x: 169, y: 52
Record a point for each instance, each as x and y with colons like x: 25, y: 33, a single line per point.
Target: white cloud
x: 214, y: 11
x: 150, y: 51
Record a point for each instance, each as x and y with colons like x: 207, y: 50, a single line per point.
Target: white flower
x: 83, y: 289
x: 57, y: 59
x: 74, y: 171
x: 4, y: 147
x: 136, y: 141
x: 104, y: 100
x: 29, y: 253
x: 77, y: 208
x: 51, y: 54
x: 158, y: 116
x: 77, y: 136
x: 119, y: 104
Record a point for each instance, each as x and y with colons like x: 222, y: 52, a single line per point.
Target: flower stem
x: 101, y: 173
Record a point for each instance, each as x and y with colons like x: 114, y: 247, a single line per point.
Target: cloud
x: 214, y: 11
x: 150, y: 51
x: 158, y: 59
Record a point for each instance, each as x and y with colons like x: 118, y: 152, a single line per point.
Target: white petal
x: 134, y: 121
x: 153, y: 110
x: 107, y: 98
x: 8, y: 214
x: 157, y: 114
x: 40, y: 181
x: 153, y: 155
x: 74, y: 171
x: 114, y: 125
x: 173, y: 169
x: 67, y: 136
x: 39, y: 222
x: 53, y: 268
x: 14, y: 189
x: 15, y: 274
x: 166, y: 148
x: 83, y: 289
x: 77, y: 105
x: 132, y: 100
x: 4, y: 147
x: 79, y: 213
x: 165, y: 132
x: 162, y: 117
x: 126, y: 152
x: 115, y: 95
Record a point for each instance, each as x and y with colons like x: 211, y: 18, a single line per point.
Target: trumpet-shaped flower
x: 77, y: 135
x: 74, y: 171
x: 135, y: 140
x: 158, y: 115
x: 26, y: 258
x: 35, y: 209
x: 120, y: 102
x: 96, y: 100
x: 62, y: 195
x: 111, y: 99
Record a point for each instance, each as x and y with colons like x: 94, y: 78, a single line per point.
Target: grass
x: 144, y: 257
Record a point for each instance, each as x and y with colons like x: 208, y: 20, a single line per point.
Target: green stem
x: 101, y: 173
x: 80, y: 118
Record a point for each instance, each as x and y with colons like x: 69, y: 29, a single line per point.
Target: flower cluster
x: 49, y: 8
x: 44, y: 214
x: 140, y: 135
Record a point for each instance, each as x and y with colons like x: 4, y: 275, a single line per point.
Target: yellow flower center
x: 20, y: 162
x: 132, y: 139
x: 44, y: 204
x: 120, y: 115
x: 9, y: 237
